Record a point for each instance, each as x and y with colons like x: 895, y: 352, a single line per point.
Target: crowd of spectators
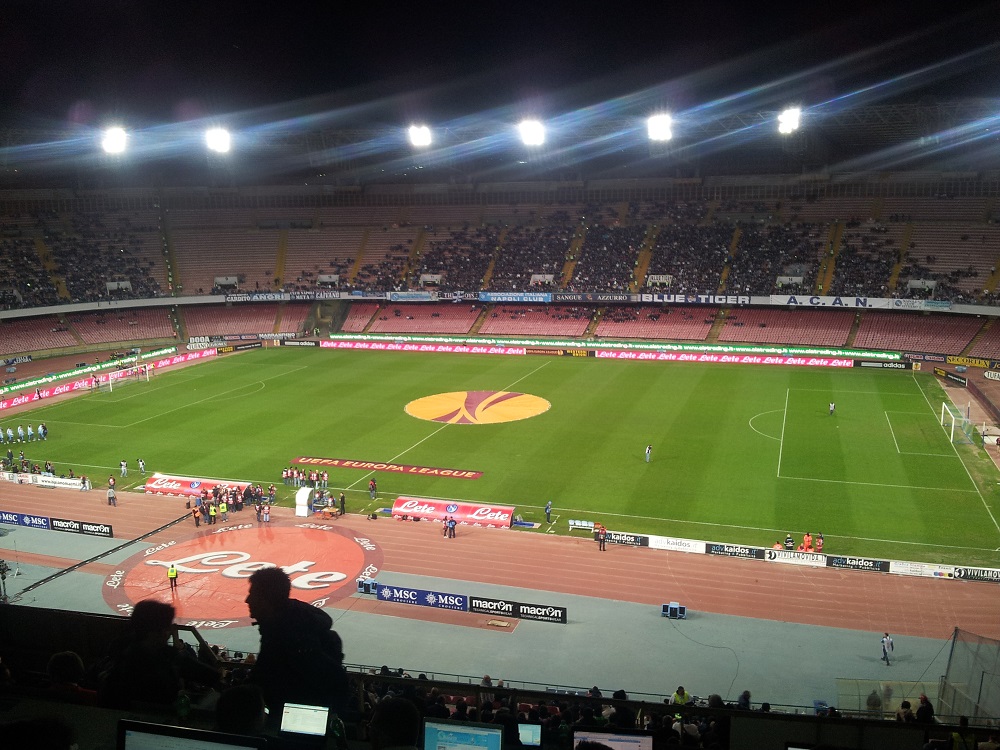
x: 531, y: 251
x: 23, y: 280
x: 693, y: 255
x: 663, y: 212
x: 865, y: 262
x: 384, y: 276
x: 778, y: 250
x: 461, y: 259
x: 90, y: 251
x: 608, y: 258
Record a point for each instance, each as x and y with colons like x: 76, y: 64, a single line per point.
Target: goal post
x: 958, y: 425
x: 134, y: 374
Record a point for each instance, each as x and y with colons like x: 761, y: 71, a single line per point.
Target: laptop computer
x: 441, y: 734
x: 617, y: 740
x: 141, y: 735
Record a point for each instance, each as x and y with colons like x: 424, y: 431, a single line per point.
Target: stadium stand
x: 214, y: 320
x: 959, y: 257
x: 528, y: 252
x: 131, y: 324
x: 693, y: 256
x: 293, y: 317
x: 25, y: 281
x: 460, y: 258
x: 943, y: 334
x: 359, y: 316
x: 249, y: 255
x: 510, y: 320
x: 311, y: 253
x: 866, y: 259
x: 777, y: 326
x: 94, y: 250
x: 766, y: 253
x: 667, y: 323
x: 455, y: 319
x: 21, y: 335
x: 608, y: 258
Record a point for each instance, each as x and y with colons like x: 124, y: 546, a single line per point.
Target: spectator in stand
x: 300, y: 658
x: 681, y: 697
x: 905, y: 714
x: 963, y: 739
x: 395, y: 723
x: 146, y: 669
x: 925, y: 711
x: 743, y: 702
x: 65, y: 670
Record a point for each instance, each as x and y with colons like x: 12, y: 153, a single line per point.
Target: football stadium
x: 310, y: 424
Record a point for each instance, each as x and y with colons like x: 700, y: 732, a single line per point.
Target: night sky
x: 78, y: 61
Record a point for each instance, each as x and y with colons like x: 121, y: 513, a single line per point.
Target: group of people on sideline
x: 808, y: 544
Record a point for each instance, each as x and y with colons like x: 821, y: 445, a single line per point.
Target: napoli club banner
x: 165, y: 484
x: 470, y: 514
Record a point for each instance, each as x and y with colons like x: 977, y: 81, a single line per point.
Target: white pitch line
x: 879, y: 484
x: 892, y: 432
x: 750, y: 423
x: 784, y: 418
x: 857, y: 393
x: 969, y: 473
x: 209, y: 398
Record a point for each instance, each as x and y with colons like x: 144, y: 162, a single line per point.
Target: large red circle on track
x: 324, y: 563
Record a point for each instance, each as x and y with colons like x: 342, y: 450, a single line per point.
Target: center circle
x: 323, y: 562
x: 477, y: 407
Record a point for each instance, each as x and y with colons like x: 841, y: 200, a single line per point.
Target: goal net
x: 117, y: 379
x: 958, y: 425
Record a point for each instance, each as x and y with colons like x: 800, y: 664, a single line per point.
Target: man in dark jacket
x: 300, y: 658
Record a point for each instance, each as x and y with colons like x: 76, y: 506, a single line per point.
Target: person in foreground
x: 300, y: 659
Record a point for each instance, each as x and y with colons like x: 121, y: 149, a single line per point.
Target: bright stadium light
x: 658, y: 128
x: 114, y: 140
x: 420, y: 135
x: 217, y: 140
x: 532, y: 132
x: 788, y: 121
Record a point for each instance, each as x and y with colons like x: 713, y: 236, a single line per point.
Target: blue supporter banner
x: 423, y: 598
x: 515, y: 297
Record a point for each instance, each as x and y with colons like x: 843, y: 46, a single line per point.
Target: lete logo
x: 323, y: 561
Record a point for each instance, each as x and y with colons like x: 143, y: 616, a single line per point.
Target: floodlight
x: 114, y: 140
x: 658, y: 127
x: 788, y: 121
x: 420, y: 135
x: 217, y: 140
x: 532, y: 132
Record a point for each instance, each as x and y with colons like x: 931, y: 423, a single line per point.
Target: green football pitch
x: 740, y: 454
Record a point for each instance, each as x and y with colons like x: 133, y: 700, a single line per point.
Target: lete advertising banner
x: 493, y: 516
x: 165, y: 484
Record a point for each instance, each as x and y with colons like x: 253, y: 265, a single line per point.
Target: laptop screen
x: 530, y: 734
x: 141, y: 735
x: 614, y: 740
x: 461, y: 735
x: 300, y: 719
